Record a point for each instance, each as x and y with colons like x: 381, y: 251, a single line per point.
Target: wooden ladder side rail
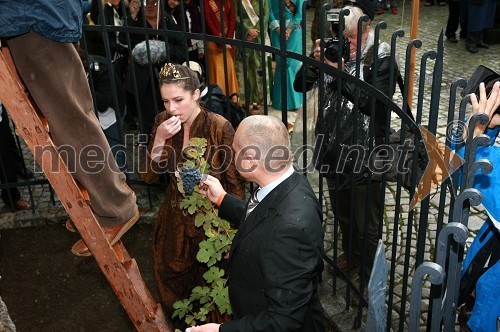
x: 119, y: 268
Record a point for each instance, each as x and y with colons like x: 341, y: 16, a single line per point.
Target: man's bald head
x: 268, y: 137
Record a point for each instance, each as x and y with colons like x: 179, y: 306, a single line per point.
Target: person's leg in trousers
x: 55, y: 79
x: 370, y: 201
x: 341, y: 205
x: 453, y: 20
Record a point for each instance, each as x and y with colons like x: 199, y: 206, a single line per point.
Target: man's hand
x: 204, y: 328
x: 488, y: 105
x: 134, y: 6
x: 211, y: 188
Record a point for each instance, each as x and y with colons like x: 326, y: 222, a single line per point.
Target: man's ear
x: 368, y: 27
x: 250, y: 154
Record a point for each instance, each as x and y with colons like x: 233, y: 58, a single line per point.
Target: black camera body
x: 332, y: 49
x: 332, y: 45
x: 332, y: 52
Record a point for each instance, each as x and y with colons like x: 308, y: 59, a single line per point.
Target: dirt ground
x: 46, y: 288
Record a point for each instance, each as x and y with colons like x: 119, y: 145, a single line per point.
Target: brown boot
x: 113, y: 235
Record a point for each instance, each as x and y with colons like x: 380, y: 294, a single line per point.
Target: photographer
x: 345, y: 128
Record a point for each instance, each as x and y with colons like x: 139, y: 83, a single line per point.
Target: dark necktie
x: 253, y: 202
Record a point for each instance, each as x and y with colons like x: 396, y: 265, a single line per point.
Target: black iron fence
x: 410, y: 245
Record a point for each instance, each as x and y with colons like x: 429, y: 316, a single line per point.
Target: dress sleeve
x: 231, y: 19
x: 297, y: 17
x: 211, y: 25
x: 273, y: 21
x: 151, y: 170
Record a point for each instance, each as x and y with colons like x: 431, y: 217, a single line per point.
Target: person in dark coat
x: 454, y: 9
x: 479, y: 15
x: 146, y: 78
x: 192, y: 23
x: 9, y: 165
x: 344, y: 131
x: 104, y: 83
x: 276, y: 257
x: 114, y: 14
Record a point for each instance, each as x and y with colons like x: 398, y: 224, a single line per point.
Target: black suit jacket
x: 276, y: 260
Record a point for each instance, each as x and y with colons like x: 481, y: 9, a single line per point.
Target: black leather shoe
x: 452, y: 39
x: 471, y: 47
x: 482, y: 44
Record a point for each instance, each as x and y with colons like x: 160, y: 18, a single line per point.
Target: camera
x: 482, y: 74
x: 332, y: 45
x: 332, y: 49
x: 332, y: 52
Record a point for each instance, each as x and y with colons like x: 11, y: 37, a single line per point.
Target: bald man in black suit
x: 276, y: 256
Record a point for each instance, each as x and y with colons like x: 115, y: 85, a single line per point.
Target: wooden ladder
x: 119, y: 268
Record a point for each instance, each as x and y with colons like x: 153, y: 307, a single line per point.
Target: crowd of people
x: 277, y: 290
x: 237, y: 71
x: 474, y: 18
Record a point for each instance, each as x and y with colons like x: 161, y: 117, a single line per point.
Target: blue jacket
x: 59, y: 20
x: 487, y: 306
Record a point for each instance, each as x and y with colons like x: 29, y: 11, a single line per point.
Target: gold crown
x: 169, y: 70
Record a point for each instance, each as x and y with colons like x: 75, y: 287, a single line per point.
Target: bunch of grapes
x: 190, y: 177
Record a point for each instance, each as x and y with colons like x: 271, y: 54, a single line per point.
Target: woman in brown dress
x: 175, y: 238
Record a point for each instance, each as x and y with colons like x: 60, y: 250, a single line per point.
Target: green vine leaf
x: 190, y: 320
x: 206, y: 251
x: 220, y: 294
x: 182, y: 308
x: 211, y: 233
x: 200, y: 294
x: 219, y: 236
x: 214, y: 274
x: 221, y: 242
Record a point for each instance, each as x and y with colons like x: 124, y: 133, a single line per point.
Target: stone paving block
x: 7, y: 220
x: 475, y: 222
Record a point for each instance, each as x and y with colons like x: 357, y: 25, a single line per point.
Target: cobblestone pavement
x: 458, y: 63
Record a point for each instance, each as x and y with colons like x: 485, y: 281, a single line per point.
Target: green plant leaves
x: 219, y: 236
x: 214, y: 275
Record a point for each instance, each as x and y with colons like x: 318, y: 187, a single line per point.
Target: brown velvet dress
x: 175, y: 238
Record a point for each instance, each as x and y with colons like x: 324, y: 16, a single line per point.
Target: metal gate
x: 424, y: 260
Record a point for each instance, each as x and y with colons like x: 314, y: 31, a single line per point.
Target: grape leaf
x: 206, y: 251
x: 201, y: 219
x: 214, y: 274
x: 201, y: 294
x: 182, y: 308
